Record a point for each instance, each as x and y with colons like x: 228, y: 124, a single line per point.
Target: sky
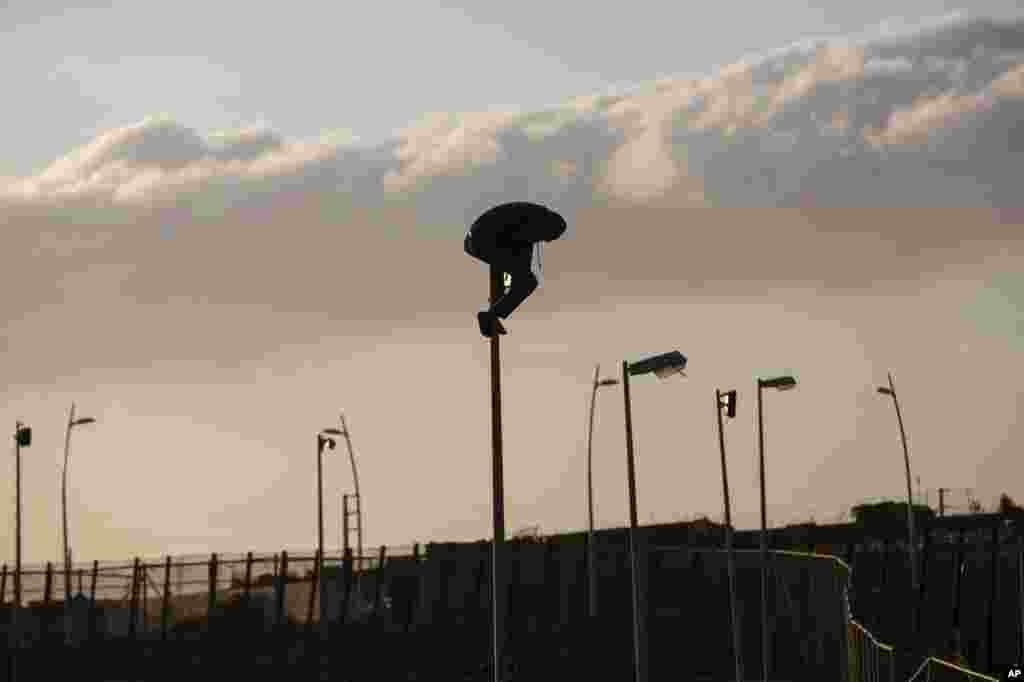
x: 229, y: 227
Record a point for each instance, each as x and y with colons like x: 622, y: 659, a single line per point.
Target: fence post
x: 211, y: 597
x: 47, y: 589
x: 282, y: 585
x: 248, y: 578
x: 313, y: 590
x: 91, y: 621
x: 166, y: 606
x: 346, y: 584
x: 919, y: 637
x: 3, y: 584
x: 1020, y: 603
x: 134, y: 599
x: 993, y: 592
x: 377, y: 583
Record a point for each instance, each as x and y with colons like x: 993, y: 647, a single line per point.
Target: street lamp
x: 359, y: 499
x: 727, y: 401
x: 591, y: 571
x: 662, y: 366
x: 891, y: 391
x: 22, y: 439
x: 72, y: 422
x: 782, y: 383
x: 322, y: 439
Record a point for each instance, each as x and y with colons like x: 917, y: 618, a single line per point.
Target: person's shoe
x: 490, y: 325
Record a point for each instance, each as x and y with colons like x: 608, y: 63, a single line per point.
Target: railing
x: 936, y: 670
x: 812, y: 625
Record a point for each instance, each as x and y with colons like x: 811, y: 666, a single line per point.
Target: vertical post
x: 211, y: 598
x: 3, y: 584
x: 1020, y: 603
x: 922, y: 583
x: 346, y: 580
x: 942, y: 501
x: 17, y: 522
x: 957, y: 581
x: 638, y: 670
x: 317, y: 585
x: 166, y: 607
x: 92, y: 595
x: 313, y: 592
x: 145, y: 598
x: 377, y: 582
x: 282, y: 585
x: 764, y: 536
x: 247, y: 594
x: 591, y: 570
x: 344, y: 523
x: 133, y: 615
x: 64, y: 510
x: 993, y: 593
x: 48, y: 585
x: 910, y: 494
x: 498, y: 492
x: 730, y: 556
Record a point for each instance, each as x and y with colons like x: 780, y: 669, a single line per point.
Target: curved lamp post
x: 72, y: 422
x: 359, y: 499
x: 662, y: 366
x: 911, y: 540
x: 783, y: 383
x: 591, y: 572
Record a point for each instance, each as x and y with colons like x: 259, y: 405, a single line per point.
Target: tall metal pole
x: 359, y: 499
x: 64, y: 508
x: 498, y: 490
x: 910, y: 495
x: 320, y: 516
x: 591, y: 572
x: 631, y: 472
x: 730, y: 556
x: 764, y: 537
x: 17, y: 542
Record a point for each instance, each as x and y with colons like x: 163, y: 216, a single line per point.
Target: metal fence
x: 937, y: 670
x: 813, y: 630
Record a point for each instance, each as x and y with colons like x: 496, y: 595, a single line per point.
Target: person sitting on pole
x: 508, y: 238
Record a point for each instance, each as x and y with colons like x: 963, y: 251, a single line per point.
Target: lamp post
x: 591, y: 571
x: 662, y: 366
x: 22, y: 438
x: 322, y: 439
x: 359, y: 499
x: 783, y: 383
x: 727, y: 401
x: 911, y: 541
x: 72, y: 422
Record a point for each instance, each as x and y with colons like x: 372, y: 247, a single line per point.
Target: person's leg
x: 524, y: 282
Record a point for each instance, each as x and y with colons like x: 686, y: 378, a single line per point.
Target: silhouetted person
x: 508, y: 237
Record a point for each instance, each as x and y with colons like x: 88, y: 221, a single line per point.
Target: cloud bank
x: 924, y: 116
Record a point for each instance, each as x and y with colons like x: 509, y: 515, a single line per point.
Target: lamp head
x: 728, y: 401
x: 662, y: 366
x: 83, y: 420
x: 884, y: 391
x: 607, y: 382
x: 783, y: 383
